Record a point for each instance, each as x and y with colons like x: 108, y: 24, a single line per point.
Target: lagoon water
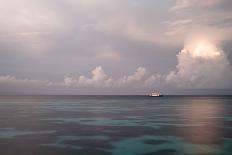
x: 115, y: 125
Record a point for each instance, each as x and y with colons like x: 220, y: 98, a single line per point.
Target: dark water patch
x: 91, y: 151
x: 79, y: 142
x: 155, y: 142
x: 26, y: 145
x: 42, y: 150
x: 28, y: 141
x: 92, y: 143
x: 163, y: 152
x: 111, y: 131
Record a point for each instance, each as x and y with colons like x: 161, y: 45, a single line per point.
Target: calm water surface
x: 115, y: 125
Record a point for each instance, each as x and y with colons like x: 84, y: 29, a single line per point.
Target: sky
x: 76, y: 47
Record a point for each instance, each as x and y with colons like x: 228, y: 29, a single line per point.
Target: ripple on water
x: 11, y: 132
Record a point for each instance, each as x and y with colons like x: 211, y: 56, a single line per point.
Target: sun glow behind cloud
x: 206, y: 51
x: 201, y: 64
x: 202, y: 49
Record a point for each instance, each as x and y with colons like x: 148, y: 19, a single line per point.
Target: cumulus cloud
x: 12, y: 80
x: 132, y: 79
x: 201, y: 64
x: 155, y: 81
x: 100, y: 79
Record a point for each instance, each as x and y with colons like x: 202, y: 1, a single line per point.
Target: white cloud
x: 180, y: 22
x: 138, y: 75
x: 8, y: 79
x: 183, y: 4
x: 155, y: 81
x: 201, y: 64
x: 132, y: 79
x: 180, y: 4
x: 100, y: 79
x: 150, y: 80
x: 178, y: 27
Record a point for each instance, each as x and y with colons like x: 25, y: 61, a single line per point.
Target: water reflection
x: 205, y: 113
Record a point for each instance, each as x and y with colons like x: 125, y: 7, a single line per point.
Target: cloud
x: 201, y: 64
x: 138, y: 75
x: 183, y: 4
x: 131, y: 21
x: 180, y: 4
x: 27, y: 25
x: 9, y: 79
x: 155, y: 81
x: 125, y: 25
x: 100, y: 79
x: 191, y: 17
x: 178, y: 26
x: 132, y: 79
x: 180, y: 22
x: 78, y: 34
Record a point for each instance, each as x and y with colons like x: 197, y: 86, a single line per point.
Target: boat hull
x: 155, y: 96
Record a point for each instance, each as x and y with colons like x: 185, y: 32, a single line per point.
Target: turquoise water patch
x: 11, y: 132
x: 228, y: 118
x: 136, y: 146
x: 227, y: 146
x: 101, y: 121
x: 61, y: 139
x: 80, y: 107
x: 94, y: 121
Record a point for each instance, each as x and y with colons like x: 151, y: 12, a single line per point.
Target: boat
x: 155, y: 94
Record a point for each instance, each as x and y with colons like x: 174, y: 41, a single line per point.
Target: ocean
x: 115, y: 125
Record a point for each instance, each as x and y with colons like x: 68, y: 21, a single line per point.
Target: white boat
x: 155, y: 94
